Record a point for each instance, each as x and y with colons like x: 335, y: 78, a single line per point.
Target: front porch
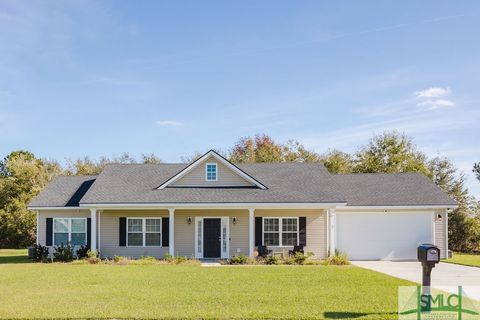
x: 208, y: 233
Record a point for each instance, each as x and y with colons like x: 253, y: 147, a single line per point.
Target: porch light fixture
x: 189, y: 220
x: 234, y: 220
x: 439, y: 217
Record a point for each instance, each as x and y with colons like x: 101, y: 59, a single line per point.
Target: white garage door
x: 383, y: 236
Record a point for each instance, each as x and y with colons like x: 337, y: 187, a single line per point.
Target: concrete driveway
x: 444, y: 275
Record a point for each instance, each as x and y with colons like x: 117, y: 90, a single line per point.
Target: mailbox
x: 428, y: 253
x: 429, y: 256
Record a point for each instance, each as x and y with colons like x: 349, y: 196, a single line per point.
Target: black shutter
x: 49, y: 235
x: 258, y: 231
x: 165, y: 231
x: 302, y: 231
x: 89, y: 232
x: 122, y: 236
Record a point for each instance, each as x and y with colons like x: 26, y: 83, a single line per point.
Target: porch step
x: 210, y: 263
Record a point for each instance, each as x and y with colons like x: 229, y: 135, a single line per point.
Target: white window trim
x: 280, y: 231
x: 69, y: 229
x: 144, y: 231
x: 216, y: 171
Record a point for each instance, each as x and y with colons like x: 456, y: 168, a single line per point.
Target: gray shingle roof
x: 400, y: 189
x: 286, y: 182
x: 63, y: 191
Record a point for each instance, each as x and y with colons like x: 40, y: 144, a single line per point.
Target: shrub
x: 93, y: 257
x: 40, y: 253
x: 145, y: 260
x: 82, y: 252
x: 338, y: 259
x: 300, y: 258
x: 121, y: 260
x: 181, y: 259
x: 63, y: 253
x: 272, y: 260
x: 241, y: 259
x: 168, y: 257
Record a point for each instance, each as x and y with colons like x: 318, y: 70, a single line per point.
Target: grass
x: 56, y: 290
x: 465, y: 259
x: 13, y: 256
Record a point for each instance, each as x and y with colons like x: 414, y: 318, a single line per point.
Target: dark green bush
x: 40, y: 253
x: 82, y: 252
x: 63, y: 253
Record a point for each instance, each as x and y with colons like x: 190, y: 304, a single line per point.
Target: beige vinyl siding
x: 440, y: 232
x: 44, y: 214
x: 316, y: 228
x: 110, y: 230
x: 185, y: 233
x: 225, y: 176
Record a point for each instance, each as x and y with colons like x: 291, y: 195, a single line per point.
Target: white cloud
x: 436, y: 104
x: 433, y: 92
x: 169, y: 123
x: 431, y: 98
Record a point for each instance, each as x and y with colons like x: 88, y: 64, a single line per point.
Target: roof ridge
x: 378, y: 173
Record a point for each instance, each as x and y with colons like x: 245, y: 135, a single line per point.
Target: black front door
x: 211, y: 238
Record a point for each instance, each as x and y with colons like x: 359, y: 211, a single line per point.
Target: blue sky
x: 174, y: 77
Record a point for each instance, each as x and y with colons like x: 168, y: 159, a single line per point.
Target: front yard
x: 30, y: 290
x: 465, y: 259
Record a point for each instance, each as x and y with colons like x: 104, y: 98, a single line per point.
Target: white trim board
x: 241, y: 205
x: 219, y: 158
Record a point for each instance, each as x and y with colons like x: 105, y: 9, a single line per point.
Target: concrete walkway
x: 445, y: 276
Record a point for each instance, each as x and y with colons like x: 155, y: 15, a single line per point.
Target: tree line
x: 23, y: 176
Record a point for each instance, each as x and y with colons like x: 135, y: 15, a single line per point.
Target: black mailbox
x: 428, y: 253
x: 429, y: 256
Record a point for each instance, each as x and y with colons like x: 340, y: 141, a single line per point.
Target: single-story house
x: 212, y: 208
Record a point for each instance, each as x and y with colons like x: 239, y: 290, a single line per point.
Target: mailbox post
x: 429, y: 256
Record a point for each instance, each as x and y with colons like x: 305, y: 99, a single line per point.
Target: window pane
x: 60, y: 225
x: 79, y: 239
x: 211, y: 172
x: 135, y: 225
x: 270, y: 224
x: 271, y: 239
x: 152, y: 239
x: 60, y: 238
x: 78, y: 225
x: 152, y: 225
x: 200, y: 237
x: 289, y: 239
x: 289, y: 224
x: 135, y: 239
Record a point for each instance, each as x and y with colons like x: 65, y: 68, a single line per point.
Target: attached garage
x: 383, y: 235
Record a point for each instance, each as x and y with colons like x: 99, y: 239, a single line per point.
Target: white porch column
x: 171, y: 231
x: 251, y: 229
x: 93, y: 230
x: 37, y: 232
x: 333, y: 231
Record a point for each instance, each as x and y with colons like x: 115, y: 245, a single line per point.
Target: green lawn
x: 31, y: 290
x: 465, y: 259
x: 13, y: 256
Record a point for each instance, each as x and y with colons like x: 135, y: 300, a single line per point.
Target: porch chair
x: 263, y: 251
x: 296, y: 249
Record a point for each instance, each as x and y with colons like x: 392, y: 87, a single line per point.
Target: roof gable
x: 229, y: 175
